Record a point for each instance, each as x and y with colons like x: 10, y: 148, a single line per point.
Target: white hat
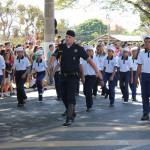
x: 39, y: 52
x: 147, y: 36
x: 134, y: 48
x: 89, y: 47
x: 126, y: 49
x: 19, y: 49
x: 110, y: 47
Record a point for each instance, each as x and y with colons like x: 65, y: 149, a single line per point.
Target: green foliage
x: 61, y: 4
x: 90, y: 30
x: 62, y: 27
x: 30, y: 18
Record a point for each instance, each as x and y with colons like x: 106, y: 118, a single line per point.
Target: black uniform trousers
x: 95, y: 89
x: 124, y: 83
x: 88, y: 86
x: 57, y: 79
x: 68, y: 89
x: 21, y: 95
x: 40, y: 77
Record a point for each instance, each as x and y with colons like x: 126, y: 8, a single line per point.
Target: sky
x: 83, y: 12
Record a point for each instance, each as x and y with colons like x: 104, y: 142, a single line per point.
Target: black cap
x: 71, y: 33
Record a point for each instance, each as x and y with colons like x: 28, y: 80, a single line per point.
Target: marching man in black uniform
x: 69, y: 56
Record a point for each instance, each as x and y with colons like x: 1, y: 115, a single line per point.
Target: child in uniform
x: 90, y: 77
x: 144, y: 69
x: 134, y: 51
x: 21, y: 65
x: 109, y: 71
x: 124, y: 69
x: 39, y: 66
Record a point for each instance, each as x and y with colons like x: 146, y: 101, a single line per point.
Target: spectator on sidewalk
x: 49, y: 55
x: 29, y: 52
x: 2, y: 74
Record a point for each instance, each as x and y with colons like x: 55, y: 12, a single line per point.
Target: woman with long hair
x: 100, y: 54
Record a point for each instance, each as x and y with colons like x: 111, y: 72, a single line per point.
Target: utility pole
x: 49, y: 30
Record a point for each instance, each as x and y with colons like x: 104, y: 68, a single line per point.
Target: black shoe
x: 134, y: 100
x: 106, y: 96
x: 20, y: 105
x: 68, y: 122
x: 58, y: 99
x: 111, y: 105
x: 77, y: 94
x: 65, y: 113
x: 145, y: 117
x: 88, y: 109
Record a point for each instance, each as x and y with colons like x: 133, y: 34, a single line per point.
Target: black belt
x: 68, y: 74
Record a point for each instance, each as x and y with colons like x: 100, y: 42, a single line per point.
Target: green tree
x: 90, y: 30
x: 7, y: 18
x: 61, y: 4
x: 30, y: 19
x: 62, y: 27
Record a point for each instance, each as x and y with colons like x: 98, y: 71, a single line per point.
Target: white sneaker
x: 125, y: 102
x: 1, y: 96
x: 5, y: 95
x: 39, y: 101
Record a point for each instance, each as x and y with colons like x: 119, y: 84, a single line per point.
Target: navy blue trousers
x: 88, y: 86
x: 57, y: 84
x: 124, y: 83
x: 133, y: 86
x: 40, y: 77
x: 68, y: 89
x: 21, y: 95
x: 111, y: 89
x: 145, y: 85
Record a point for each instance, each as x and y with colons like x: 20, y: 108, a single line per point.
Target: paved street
x: 39, y: 126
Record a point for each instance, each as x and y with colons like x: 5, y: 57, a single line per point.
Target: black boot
x: 70, y: 115
x: 145, y: 116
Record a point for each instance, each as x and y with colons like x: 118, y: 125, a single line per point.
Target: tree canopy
x: 90, y: 30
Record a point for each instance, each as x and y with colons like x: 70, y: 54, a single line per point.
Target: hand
x: 137, y: 83
x: 98, y: 74
x: 23, y: 76
x: 14, y: 80
x: 83, y: 80
x: 49, y: 73
x: 131, y: 81
x: 102, y: 83
x: 111, y: 78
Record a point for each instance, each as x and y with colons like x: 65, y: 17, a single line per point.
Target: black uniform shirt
x: 70, y: 57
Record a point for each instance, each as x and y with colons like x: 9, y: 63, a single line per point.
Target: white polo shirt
x: 21, y: 64
x: 125, y: 65
x: 101, y: 61
x: 2, y: 65
x: 135, y: 65
x: 88, y: 70
x: 144, y: 60
x: 109, y: 64
x: 39, y: 66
